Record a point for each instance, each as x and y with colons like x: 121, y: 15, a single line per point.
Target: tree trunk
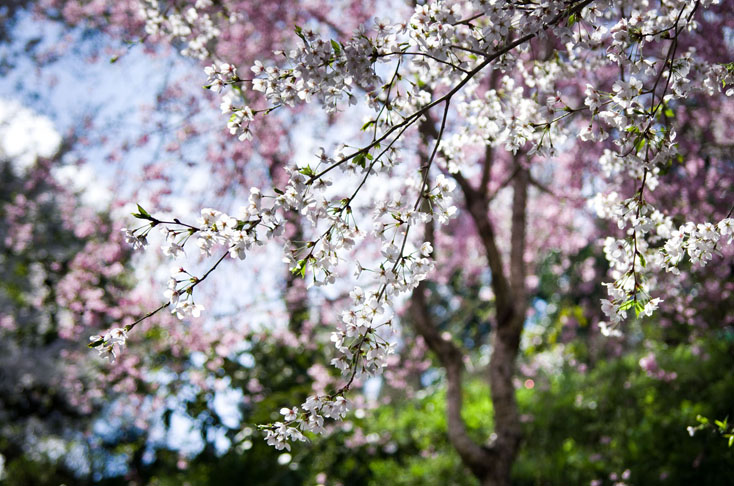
x: 511, y: 305
x: 490, y: 463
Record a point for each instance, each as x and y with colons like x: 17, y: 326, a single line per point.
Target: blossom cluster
x: 699, y: 241
x: 311, y: 419
x: 110, y: 344
x: 444, y: 41
x: 653, y: 244
x: 220, y: 75
x: 192, y: 26
x: 327, y: 71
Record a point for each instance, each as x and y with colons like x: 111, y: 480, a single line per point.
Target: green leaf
x: 731, y: 439
x: 627, y: 305
x: 640, y: 144
x: 142, y: 214
x: 360, y: 160
x: 300, y: 268
x: 639, y: 306
x: 299, y: 33
x: 572, y: 19
x: 337, y: 48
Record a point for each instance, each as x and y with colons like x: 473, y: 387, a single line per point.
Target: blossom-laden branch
x: 440, y: 55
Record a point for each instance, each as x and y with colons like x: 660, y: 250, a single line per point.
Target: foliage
x: 589, y: 425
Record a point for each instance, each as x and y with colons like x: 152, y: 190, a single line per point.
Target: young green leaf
x: 337, y: 48
x: 360, y: 160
